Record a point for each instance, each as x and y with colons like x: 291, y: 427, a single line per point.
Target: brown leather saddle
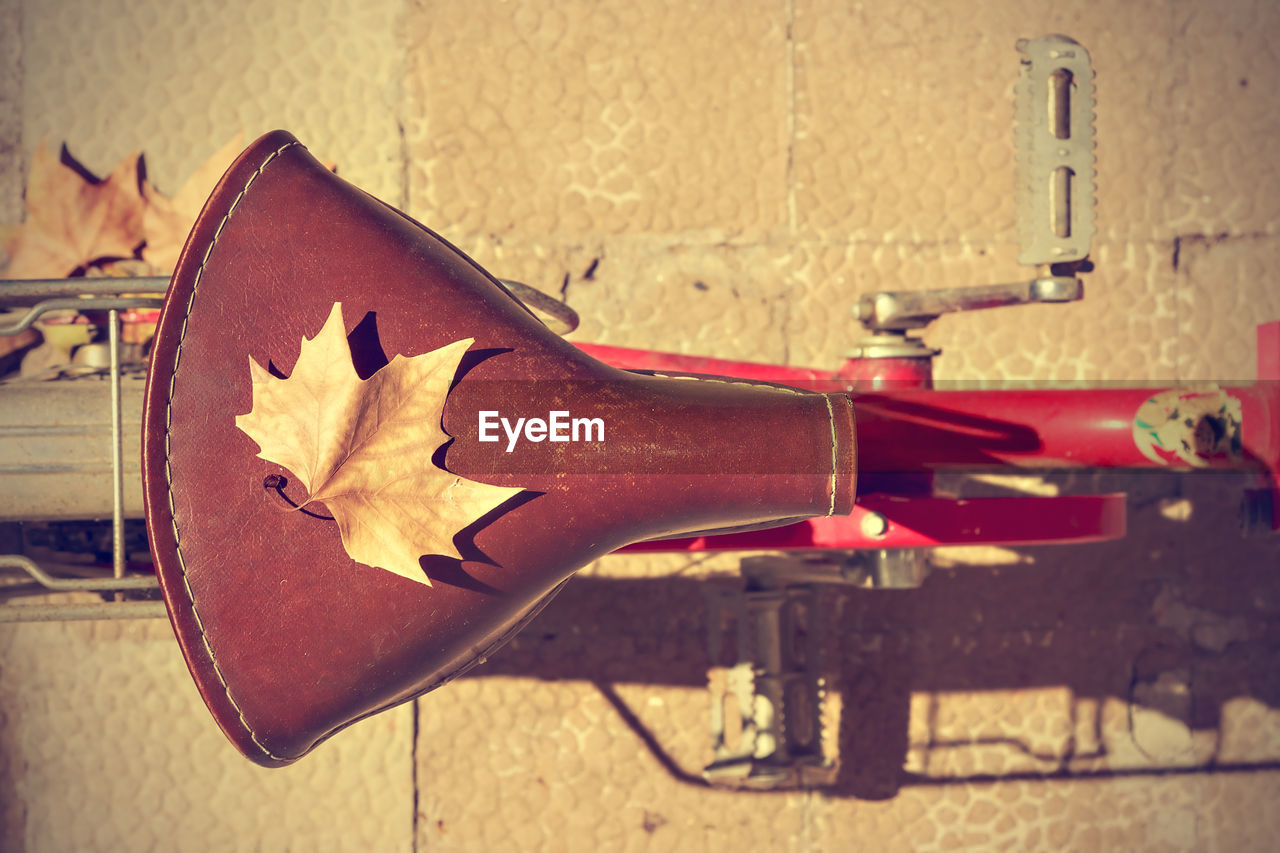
x: 287, y: 637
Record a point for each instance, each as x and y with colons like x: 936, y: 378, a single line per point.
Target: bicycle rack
x: 125, y: 594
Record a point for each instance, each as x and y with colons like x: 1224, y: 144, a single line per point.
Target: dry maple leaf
x: 73, y: 222
x: 364, y: 448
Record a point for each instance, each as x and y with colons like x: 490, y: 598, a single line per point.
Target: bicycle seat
x: 288, y: 638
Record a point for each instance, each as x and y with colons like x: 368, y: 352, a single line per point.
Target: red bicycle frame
x: 907, y: 430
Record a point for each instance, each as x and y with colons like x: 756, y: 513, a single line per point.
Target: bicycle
x: 897, y: 511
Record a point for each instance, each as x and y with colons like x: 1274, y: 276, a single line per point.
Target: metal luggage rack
x: 114, y: 590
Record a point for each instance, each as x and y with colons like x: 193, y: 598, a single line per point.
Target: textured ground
x: 725, y: 177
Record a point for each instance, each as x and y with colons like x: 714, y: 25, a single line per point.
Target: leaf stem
x: 278, y: 483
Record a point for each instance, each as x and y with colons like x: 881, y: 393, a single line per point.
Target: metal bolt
x: 874, y: 525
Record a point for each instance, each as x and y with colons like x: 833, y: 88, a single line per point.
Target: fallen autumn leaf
x: 364, y: 448
x: 73, y: 222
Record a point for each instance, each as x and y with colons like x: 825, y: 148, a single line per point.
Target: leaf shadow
x: 450, y: 570
x: 367, y: 354
x: 472, y: 358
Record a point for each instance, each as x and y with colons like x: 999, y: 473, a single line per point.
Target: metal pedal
x: 1055, y: 140
x: 766, y: 709
x: 768, y: 688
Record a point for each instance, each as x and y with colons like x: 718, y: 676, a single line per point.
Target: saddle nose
x: 287, y: 637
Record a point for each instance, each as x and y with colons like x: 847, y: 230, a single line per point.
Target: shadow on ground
x: 1182, y: 593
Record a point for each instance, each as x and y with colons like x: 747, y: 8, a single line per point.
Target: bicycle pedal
x: 766, y: 707
x: 1055, y: 140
